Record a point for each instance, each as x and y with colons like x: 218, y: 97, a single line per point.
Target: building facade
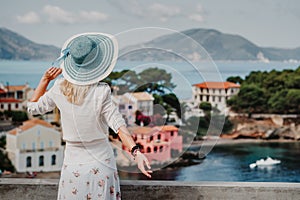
x: 216, y: 93
x: 10, y: 104
x: 129, y: 103
x: 159, y: 142
x: 14, y: 97
x: 35, y: 146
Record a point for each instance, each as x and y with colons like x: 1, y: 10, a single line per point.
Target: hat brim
x: 103, y: 68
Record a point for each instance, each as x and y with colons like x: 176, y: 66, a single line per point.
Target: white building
x: 10, y: 104
x: 129, y: 103
x: 35, y: 146
x: 14, y: 97
x: 216, y: 93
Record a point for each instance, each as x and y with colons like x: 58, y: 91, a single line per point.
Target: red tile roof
x: 2, y: 91
x: 142, y: 96
x: 15, y: 87
x: 29, y: 124
x: 9, y: 100
x: 217, y: 85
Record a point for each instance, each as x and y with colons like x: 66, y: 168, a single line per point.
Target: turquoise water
x: 184, y: 74
x: 231, y: 163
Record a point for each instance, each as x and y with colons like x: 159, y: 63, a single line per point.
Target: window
x: 213, y: 98
x: 41, y: 161
x: 50, y: 143
x: 2, y: 106
x: 130, y: 107
x: 151, y: 137
x: 28, y: 161
x: 158, y: 136
x: 201, y: 98
x: 220, y: 99
x: 17, y: 105
x: 148, y: 150
x: 33, y: 146
x: 155, y: 149
x: 19, y: 95
x: 23, y: 146
x: 53, y: 160
x: 172, y: 133
x: 42, y: 145
x: 161, y: 148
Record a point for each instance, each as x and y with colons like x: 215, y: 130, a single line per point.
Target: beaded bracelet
x: 134, y: 150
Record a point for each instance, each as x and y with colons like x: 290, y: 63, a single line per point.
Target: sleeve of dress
x: 110, y: 111
x: 43, y: 105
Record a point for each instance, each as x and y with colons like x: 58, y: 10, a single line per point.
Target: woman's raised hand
x: 52, y: 73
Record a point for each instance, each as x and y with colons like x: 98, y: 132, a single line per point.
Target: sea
x: 231, y: 162
x: 184, y: 74
x: 228, y: 162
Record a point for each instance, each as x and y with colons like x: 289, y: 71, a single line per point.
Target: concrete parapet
x: 46, y: 189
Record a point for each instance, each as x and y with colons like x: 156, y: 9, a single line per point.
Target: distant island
x: 16, y: 47
x: 220, y: 46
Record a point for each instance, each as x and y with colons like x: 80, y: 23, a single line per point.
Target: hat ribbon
x: 64, y: 54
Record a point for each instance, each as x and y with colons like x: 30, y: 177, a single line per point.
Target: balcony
x: 46, y: 189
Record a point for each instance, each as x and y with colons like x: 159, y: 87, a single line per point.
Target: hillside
x: 220, y: 46
x: 16, y: 47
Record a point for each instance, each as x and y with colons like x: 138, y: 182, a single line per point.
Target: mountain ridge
x: 14, y: 46
x: 220, y: 46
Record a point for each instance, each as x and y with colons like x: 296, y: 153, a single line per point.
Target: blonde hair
x: 75, y: 94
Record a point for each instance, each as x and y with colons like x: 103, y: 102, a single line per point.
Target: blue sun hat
x: 88, y: 58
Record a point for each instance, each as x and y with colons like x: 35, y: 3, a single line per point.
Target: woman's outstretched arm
x: 140, y: 158
x: 49, y: 75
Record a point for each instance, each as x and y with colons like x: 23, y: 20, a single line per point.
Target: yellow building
x: 35, y: 146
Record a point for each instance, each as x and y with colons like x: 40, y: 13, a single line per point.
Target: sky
x: 267, y: 23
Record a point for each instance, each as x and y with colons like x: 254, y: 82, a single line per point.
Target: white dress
x: 89, y: 168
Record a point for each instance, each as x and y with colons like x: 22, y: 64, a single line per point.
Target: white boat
x: 266, y: 162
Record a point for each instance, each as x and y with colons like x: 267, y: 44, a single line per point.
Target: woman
x: 89, y: 169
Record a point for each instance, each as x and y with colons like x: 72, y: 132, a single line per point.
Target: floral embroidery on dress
x: 101, y: 183
x: 95, y: 170
x: 76, y: 174
x: 88, y: 196
x: 74, y: 191
x: 107, y: 160
x: 112, y: 189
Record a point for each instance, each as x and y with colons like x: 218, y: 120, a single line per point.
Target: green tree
x: 235, y: 79
x: 250, y: 99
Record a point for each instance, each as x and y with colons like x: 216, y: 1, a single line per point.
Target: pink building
x: 157, y: 142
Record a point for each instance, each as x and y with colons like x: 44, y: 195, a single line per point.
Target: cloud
x: 164, y: 11
x: 145, y: 10
x: 196, y: 17
x: 56, y: 14
x: 92, y: 16
x: 29, y: 18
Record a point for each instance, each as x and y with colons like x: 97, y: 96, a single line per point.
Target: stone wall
x: 46, y: 189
